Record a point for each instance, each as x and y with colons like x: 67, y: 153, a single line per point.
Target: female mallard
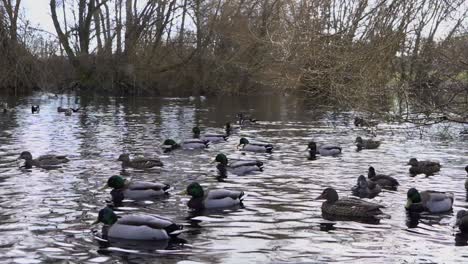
x: 239, y: 167
x: 137, y: 227
x: 170, y: 145
x: 135, y: 190
x: 462, y: 221
x: 44, y: 161
x: 366, y: 143
x: 255, y: 146
x: 348, y: 208
x: 423, y: 167
x: 213, y: 138
x: 384, y: 181
x: 212, y: 199
x: 139, y: 163
x: 365, y: 189
x: 324, y: 150
x: 429, y: 201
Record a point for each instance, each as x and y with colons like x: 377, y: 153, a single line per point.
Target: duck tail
x: 166, y: 187
x: 383, y: 216
x: 269, y: 149
x: 242, y: 196
x: 173, y: 229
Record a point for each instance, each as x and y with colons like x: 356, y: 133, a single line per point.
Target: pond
x: 46, y: 215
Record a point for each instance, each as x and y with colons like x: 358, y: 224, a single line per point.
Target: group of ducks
x: 153, y: 227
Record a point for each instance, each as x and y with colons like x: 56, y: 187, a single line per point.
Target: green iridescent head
x: 116, y: 182
x: 221, y: 158
x: 107, y: 216
x: 243, y: 142
x: 413, y: 197
x: 195, y: 190
x: 196, y: 131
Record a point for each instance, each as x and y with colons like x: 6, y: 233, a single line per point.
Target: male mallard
x: 139, y: 163
x: 44, y: 161
x: 462, y: 221
x: 170, y: 144
x: 348, y: 208
x: 324, y: 150
x: 137, y: 227
x: 244, y: 119
x: 135, y: 190
x: 255, y: 146
x: 365, y: 189
x: 366, y: 143
x: 466, y: 181
x: 35, y: 109
x: 384, y: 181
x: 213, y: 138
x: 212, y: 199
x: 429, y: 201
x: 423, y: 167
x: 239, y: 167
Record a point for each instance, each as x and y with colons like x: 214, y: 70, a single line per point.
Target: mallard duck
x: 429, y: 201
x: 135, y: 190
x: 244, y: 119
x: 212, y: 199
x: 63, y: 110
x: 366, y: 143
x: 462, y: 221
x: 423, y: 167
x: 348, y: 208
x: 324, y: 150
x: 361, y: 122
x: 139, y: 163
x: 384, y: 181
x: 239, y: 167
x: 137, y: 227
x: 213, y: 138
x: 255, y: 146
x: 466, y: 181
x: 365, y: 189
x: 170, y: 145
x: 35, y: 109
x: 44, y: 161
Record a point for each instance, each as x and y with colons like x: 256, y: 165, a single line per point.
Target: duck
x: 63, y: 110
x: 44, y: 161
x: 466, y: 181
x: 135, y: 190
x: 423, y: 167
x: 348, y: 208
x: 366, y: 143
x: 386, y: 182
x: 361, y: 122
x: 212, y: 199
x: 170, y: 145
x: 365, y: 189
x: 244, y: 119
x: 68, y: 112
x: 35, y: 109
x: 324, y: 150
x: 229, y: 129
x: 140, y: 162
x: 428, y: 201
x: 462, y: 221
x: 255, y: 146
x: 137, y: 227
x: 239, y: 167
x: 213, y: 138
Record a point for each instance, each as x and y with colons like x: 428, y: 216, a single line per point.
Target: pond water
x: 46, y: 215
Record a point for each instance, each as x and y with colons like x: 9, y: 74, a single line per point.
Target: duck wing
x: 153, y: 221
x: 142, y: 185
x: 385, y: 180
x: 145, y: 162
x: 358, y: 203
x: 242, y: 163
x: 436, y: 196
x: 222, y: 193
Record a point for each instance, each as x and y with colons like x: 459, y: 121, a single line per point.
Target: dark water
x: 46, y: 216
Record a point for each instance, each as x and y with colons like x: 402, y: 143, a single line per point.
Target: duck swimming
x: 365, y: 189
x: 324, y: 150
x: 137, y: 227
x: 240, y: 167
x: 255, y: 146
x: 429, y: 201
x: 386, y: 182
x: 135, y: 190
x: 462, y: 221
x: 213, y: 138
x: 44, y: 161
x: 170, y: 145
x: 35, y: 109
x: 244, y: 119
x: 423, y: 167
x: 366, y: 143
x: 349, y: 208
x: 212, y: 199
x: 139, y: 163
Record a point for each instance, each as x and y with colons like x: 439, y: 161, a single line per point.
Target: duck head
x: 312, y: 147
x: 124, y: 158
x: 413, y: 197
x: 116, y: 182
x: 221, y: 158
x: 227, y: 128
x: 413, y: 162
x: 371, y: 172
x: 195, y: 190
x: 196, y: 132
x: 243, y: 142
x: 359, y: 140
x: 106, y: 216
x: 328, y: 194
x: 26, y: 155
x: 460, y: 215
x: 362, y: 182
x: 169, y: 144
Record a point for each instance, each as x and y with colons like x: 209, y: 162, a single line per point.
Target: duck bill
x: 104, y: 187
x: 320, y: 197
x: 95, y: 222
x: 183, y: 192
x: 408, y: 203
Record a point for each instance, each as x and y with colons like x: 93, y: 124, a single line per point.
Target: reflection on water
x: 46, y: 216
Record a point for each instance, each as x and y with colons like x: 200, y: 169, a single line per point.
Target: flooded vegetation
x: 47, y: 214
